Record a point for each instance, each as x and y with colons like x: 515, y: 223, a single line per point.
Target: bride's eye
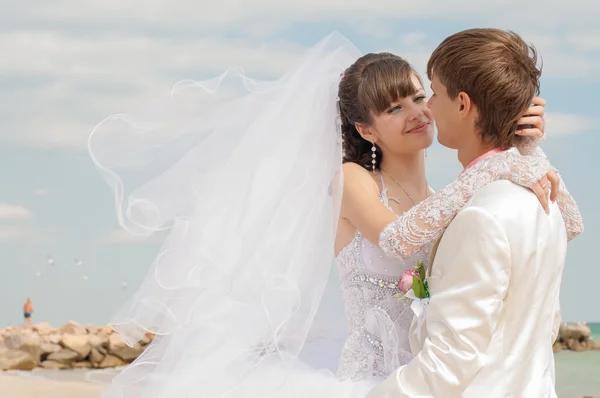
x: 420, y: 98
x: 394, y: 109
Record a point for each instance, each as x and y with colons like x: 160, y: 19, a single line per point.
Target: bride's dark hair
x: 368, y: 87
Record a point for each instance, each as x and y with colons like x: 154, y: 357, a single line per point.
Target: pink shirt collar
x: 480, y: 158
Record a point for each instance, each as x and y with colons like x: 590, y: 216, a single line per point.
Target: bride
x: 250, y: 189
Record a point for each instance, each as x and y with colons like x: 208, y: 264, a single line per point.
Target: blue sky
x: 67, y: 66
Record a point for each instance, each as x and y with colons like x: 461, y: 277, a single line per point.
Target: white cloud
x: 73, y: 64
x: 62, y: 85
x: 375, y: 29
x: 585, y: 41
x: 10, y: 212
x: 564, y: 123
x: 42, y: 192
x: 19, y: 233
x: 16, y: 224
x: 122, y: 237
x: 226, y: 14
x: 63, y: 55
x: 413, y: 39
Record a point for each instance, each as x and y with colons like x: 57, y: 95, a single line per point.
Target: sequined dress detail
x: 376, y: 318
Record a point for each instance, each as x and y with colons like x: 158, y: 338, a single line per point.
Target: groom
x: 495, y: 279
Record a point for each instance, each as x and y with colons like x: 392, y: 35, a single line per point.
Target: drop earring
x: 373, y: 156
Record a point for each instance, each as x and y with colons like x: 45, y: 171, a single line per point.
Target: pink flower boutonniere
x: 414, y: 280
x: 413, y: 285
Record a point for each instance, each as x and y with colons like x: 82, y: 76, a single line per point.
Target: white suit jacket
x: 494, y: 308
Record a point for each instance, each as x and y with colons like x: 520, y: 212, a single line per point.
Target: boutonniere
x: 413, y: 285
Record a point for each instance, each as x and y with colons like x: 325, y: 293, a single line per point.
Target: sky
x: 66, y: 65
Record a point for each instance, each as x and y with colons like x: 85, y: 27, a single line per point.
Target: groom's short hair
x: 499, y: 72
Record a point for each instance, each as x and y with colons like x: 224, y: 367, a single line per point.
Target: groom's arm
x: 464, y: 308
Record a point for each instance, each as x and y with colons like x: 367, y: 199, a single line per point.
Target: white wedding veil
x: 249, y: 189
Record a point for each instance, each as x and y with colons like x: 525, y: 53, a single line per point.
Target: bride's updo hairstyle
x: 368, y: 87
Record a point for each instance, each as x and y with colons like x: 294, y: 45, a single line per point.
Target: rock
x: 148, y: 338
x: 78, y: 343
x: 64, y: 356
x: 51, y: 364
x: 576, y: 345
x: 16, y: 360
x: 28, y: 342
x: 99, y: 340
x: 116, y: 346
x: 96, y: 357
x: 145, y: 340
x: 49, y: 348
x: 73, y: 327
x: 107, y: 330
x: 111, y: 361
x: 575, y: 337
x: 52, y: 339
x: 593, y: 344
x: 70, y: 346
x: 82, y: 364
x: 577, y: 331
x: 44, y: 329
x: 556, y: 347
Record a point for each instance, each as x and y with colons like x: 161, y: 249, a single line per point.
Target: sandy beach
x: 12, y: 386
x: 576, y: 374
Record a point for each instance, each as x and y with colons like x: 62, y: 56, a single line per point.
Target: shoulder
x: 503, y: 195
x: 475, y: 220
x: 360, y: 189
x: 515, y: 208
x: 354, y: 169
x: 357, y: 178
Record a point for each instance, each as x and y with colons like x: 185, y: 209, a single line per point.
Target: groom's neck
x: 471, y: 151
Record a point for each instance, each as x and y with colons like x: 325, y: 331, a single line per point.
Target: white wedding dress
x: 249, y: 189
x: 378, y: 322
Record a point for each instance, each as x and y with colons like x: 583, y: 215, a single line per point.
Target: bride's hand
x: 532, y: 122
x: 547, y: 187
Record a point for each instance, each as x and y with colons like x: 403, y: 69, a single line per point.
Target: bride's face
x: 406, y: 126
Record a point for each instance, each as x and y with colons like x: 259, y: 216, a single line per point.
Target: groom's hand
x: 531, y: 124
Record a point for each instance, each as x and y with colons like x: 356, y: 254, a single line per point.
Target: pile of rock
x: 70, y: 346
x: 575, y: 337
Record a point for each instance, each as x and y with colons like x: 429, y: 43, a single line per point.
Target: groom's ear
x: 465, y: 104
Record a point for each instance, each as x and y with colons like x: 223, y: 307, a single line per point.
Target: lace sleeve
x: 568, y: 208
x: 570, y: 211
x: 530, y: 145
x: 426, y: 221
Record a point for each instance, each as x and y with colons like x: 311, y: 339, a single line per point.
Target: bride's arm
x: 568, y: 207
x: 566, y: 203
x: 422, y: 224
x: 569, y: 210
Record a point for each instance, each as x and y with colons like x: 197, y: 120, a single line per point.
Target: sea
x: 578, y: 373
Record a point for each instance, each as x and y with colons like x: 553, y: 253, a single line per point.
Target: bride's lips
x: 421, y: 128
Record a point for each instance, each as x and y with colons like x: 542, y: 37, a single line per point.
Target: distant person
x: 27, y: 311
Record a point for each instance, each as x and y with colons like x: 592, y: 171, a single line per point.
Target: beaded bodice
x: 378, y: 321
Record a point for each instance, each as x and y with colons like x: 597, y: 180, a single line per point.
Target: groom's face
x: 445, y: 114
